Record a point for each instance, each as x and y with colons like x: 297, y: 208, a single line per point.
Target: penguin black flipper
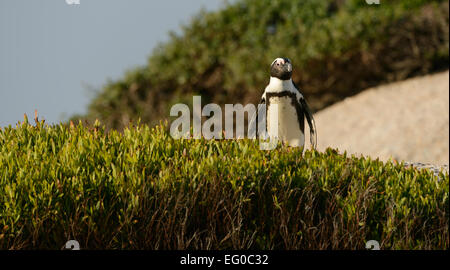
x: 256, y: 121
x: 309, y: 118
x: 311, y: 122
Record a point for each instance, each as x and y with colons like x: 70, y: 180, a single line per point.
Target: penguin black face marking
x: 281, y: 68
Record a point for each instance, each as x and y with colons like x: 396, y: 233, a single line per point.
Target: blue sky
x: 53, y: 54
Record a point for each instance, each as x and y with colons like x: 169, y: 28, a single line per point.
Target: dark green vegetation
x: 141, y: 189
x: 338, y: 48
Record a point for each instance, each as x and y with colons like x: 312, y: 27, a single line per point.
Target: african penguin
x: 291, y: 110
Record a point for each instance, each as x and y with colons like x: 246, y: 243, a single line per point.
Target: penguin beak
x: 288, y: 67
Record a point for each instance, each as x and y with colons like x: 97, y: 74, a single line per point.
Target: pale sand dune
x: 408, y: 121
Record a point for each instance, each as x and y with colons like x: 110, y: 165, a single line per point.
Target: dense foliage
x: 338, y: 48
x: 141, y: 189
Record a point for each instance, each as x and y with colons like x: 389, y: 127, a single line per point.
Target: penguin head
x: 281, y: 68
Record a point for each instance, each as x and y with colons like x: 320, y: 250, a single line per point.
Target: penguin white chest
x: 290, y: 126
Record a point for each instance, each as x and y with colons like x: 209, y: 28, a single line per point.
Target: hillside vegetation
x: 141, y: 189
x: 338, y: 48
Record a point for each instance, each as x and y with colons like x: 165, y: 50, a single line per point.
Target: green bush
x: 141, y: 189
x: 338, y: 48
